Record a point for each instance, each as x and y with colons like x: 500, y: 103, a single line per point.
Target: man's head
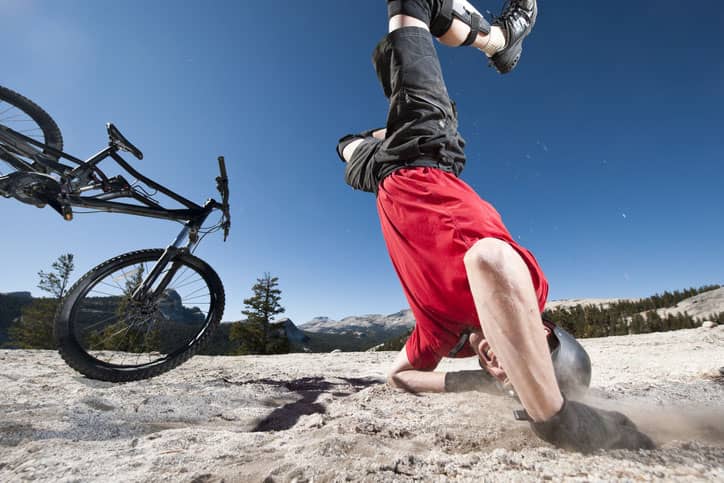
x: 571, y: 362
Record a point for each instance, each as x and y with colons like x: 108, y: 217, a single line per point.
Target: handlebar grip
x: 222, y: 167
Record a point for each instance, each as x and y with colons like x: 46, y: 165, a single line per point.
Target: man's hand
x: 487, y: 358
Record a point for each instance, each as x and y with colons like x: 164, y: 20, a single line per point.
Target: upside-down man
x: 460, y: 269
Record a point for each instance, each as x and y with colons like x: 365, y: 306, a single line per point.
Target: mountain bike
x: 138, y: 314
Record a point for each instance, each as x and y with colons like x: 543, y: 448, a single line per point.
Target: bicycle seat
x: 117, y: 139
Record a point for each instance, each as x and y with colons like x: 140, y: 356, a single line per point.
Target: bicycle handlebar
x: 222, y: 184
x: 222, y: 167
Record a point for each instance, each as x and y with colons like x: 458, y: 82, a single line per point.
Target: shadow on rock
x: 309, y: 388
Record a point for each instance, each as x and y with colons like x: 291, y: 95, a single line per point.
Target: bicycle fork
x: 148, y: 289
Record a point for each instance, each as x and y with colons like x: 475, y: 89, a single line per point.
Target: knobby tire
x: 82, y: 360
x: 51, y: 132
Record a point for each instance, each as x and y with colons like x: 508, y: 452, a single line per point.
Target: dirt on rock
x: 330, y: 417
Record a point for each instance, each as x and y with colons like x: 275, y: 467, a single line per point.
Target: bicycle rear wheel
x: 104, y: 334
x: 20, y: 114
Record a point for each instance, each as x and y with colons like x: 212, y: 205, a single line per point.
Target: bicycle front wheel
x: 22, y: 115
x: 103, y: 333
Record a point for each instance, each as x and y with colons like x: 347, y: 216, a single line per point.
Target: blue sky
x: 603, y: 150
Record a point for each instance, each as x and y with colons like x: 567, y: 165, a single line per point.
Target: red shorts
x: 430, y: 218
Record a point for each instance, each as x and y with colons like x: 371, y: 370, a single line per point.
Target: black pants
x: 422, y: 119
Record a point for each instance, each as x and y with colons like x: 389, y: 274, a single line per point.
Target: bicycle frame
x: 88, y: 176
x: 113, y: 188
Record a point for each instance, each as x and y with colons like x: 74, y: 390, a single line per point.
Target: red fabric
x: 430, y: 218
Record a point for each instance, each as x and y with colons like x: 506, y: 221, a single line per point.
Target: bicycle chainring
x: 35, y: 189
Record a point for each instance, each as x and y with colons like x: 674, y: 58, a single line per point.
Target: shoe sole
x: 510, y: 56
x: 506, y: 61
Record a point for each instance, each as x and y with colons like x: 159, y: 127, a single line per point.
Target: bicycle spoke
x: 114, y: 286
x: 125, y: 329
x: 16, y: 119
x: 115, y: 281
x: 203, y: 297
x: 7, y: 110
x: 181, y: 275
x: 176, y: 287
x: 103, y: 293
x: 189, y: 295
x: 33, y: 130
x: 102, y: 322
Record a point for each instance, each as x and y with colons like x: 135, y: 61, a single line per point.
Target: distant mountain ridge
x: 401, y: 320
x: 18, y: 295
x: 359, y: 333
x: 292, y: 332
x: 366, y: 331
x: 700, y: 306
x: 354, y: 333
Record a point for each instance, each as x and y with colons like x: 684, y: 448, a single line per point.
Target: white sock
x: 496, y: 41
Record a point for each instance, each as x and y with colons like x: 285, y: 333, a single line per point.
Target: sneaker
x: 583, y: 428
x: 516, y: 21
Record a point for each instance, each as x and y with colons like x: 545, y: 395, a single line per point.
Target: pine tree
x: 56, y: 282
x: 262, y: 307
x: 247, y: 338
x: 34, y: 328
x: 638, y: 324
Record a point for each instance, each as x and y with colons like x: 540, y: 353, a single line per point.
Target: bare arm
x: 404, y: 376
x: 380, y: 133
x: 350, y: 148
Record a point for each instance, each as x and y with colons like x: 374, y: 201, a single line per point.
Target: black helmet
x: 570, y: 360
